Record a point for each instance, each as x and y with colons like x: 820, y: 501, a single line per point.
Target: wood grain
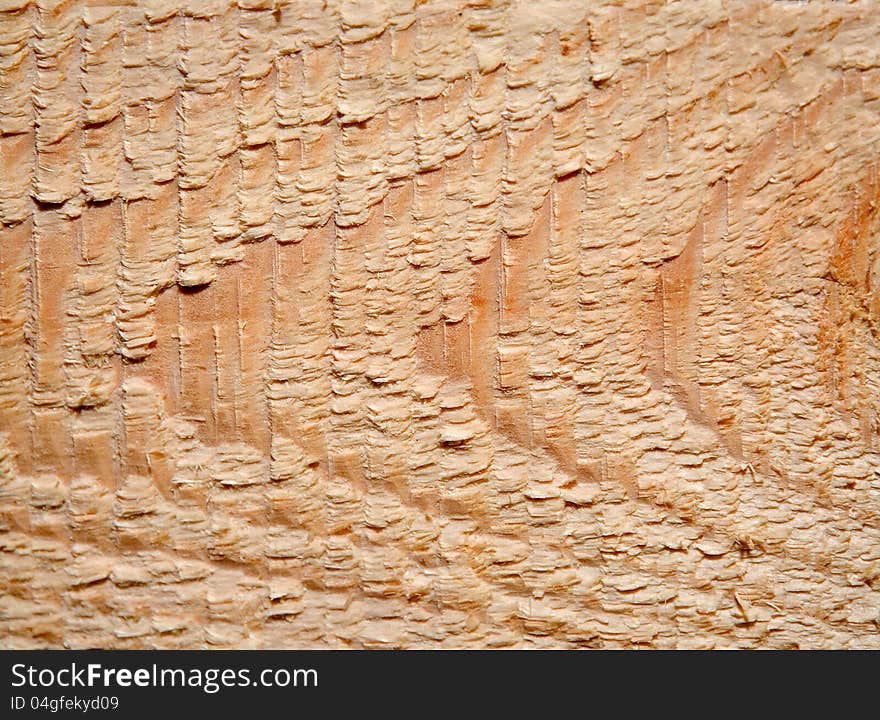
x: 439, y: 324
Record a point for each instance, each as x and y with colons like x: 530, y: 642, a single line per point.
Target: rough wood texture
x: 443, y: 324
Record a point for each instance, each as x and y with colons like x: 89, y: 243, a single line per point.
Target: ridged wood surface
x: 440, y: 324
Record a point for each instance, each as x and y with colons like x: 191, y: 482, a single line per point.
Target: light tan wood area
x: 441, y: 324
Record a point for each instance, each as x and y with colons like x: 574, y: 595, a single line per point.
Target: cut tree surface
x: 442, y: 324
